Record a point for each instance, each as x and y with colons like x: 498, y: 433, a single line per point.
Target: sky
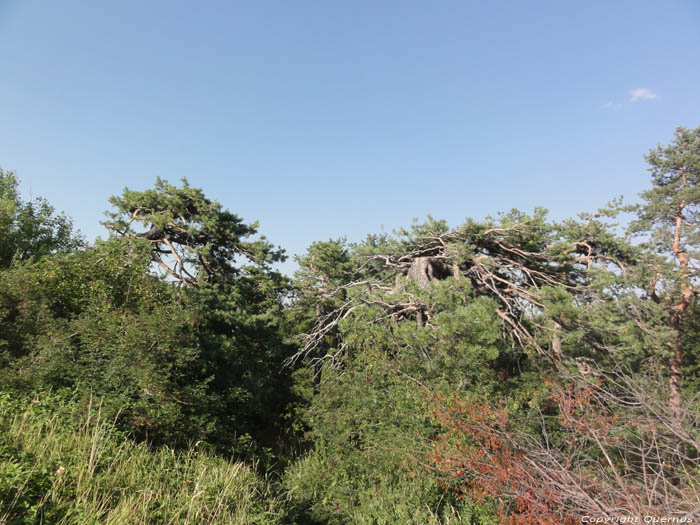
x: 329, y: 119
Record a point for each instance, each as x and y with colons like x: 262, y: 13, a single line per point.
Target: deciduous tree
x: 30, y: 229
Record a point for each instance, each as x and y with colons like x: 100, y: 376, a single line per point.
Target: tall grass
x: 63, y: 462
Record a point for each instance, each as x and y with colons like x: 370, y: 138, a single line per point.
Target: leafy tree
x: 96, y: 323
x: 30, y: 229
x: 669, y: 218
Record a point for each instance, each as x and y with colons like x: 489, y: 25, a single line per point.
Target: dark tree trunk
x: 318, y: 367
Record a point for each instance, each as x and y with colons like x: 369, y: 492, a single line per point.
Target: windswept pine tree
x: 192, y: 238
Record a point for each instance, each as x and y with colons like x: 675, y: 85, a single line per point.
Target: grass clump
x: 62, y: 461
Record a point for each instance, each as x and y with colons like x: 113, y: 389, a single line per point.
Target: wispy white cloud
x: 640, y: 94
x: 611, y: 105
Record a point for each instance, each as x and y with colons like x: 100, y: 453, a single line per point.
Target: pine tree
x: 669, y: 218
x: 193, y: 239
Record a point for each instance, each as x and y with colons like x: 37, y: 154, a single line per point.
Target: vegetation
x: 509, y: 370
x: 65, y: 462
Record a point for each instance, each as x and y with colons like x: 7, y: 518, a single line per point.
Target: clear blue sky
x: 323, y: 119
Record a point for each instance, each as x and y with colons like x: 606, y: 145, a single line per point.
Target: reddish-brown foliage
x: 480, y: 461
x: 618, y: 452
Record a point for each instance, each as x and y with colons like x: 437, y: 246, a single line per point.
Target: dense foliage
x: 510, y: 370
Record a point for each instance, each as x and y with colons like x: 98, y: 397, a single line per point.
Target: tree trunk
x: 676, y: 372
x: 556, y: 341
x: 422, y: 271
x: 425, y: 270
x: 318, y: 369
x: 675, y: 362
